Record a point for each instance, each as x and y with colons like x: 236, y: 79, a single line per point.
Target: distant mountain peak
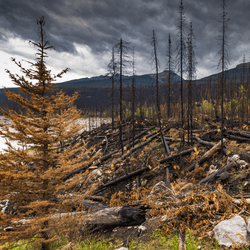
x: 247, y: 65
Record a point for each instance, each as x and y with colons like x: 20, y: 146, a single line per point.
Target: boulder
x: 232, y: 230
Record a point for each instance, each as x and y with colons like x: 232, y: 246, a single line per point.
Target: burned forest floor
x: 190, y: 186
x: 146, y: 189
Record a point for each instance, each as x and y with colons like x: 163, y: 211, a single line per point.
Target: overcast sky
x: 84, y: 31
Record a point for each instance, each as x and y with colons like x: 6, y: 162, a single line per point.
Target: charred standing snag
x: 181, y: 55
x: 122, y: 48
x: 155, y: 56
x: 112, y: 72
x: 191, y: 75
x: 169, y: 67
x: 223, y: 62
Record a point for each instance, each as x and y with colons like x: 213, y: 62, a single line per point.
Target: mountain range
x: 149, y: 79
x: 95, y: 91
x: 105, y: 82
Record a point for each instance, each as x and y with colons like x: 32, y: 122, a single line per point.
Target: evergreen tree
x: 49, y: 119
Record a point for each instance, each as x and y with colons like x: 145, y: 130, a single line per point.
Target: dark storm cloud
x: 96, y: 23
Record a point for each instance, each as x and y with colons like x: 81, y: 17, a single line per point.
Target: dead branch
x: 208, y: 154
x: 211, y: 176
x: 97, y: 163
x: 211, y: 144
x: 237, y: 138
x: 239, y: 133
x: 134, y: 149
x: 137, y: 172
x: 185, y: 152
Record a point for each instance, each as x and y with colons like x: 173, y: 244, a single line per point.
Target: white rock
x: 233, y: 228
x: 122, y: 248
x: 210, y: 233
x: 163, y: 218
x: 234, y: 158
x: 141, y: 228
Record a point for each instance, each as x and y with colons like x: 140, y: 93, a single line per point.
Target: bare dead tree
x: 140, y: 107
x: 243, y: 90
x: 223, y: 63
x: 122, y: 50
x: 156, y: 62
x: 133, y: 98
x: 112, y: 72
x: 169, y: 68
x: 191, y: 76
x: 181, y: 54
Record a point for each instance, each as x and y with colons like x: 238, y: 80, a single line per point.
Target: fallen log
x: 97, y: 163
x: 129, y: 145
x: 100, y: 160
x: 125, y: 177
x: 185, y: 152
x: 138, y: 136
x: 167, y: 138
x: 135, y: 148
x: 208, y: 154
x: 219, y: 171
x: 236, y: 138
x: 239, y: 133
x: 119, y: 216
x: 129, y: 215
x: 211, y: 144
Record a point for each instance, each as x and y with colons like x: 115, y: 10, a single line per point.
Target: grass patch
x: 159, y: 240
x: 100, y: 244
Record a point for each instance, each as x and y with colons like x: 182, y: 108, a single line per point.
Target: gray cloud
x: 96, y: 23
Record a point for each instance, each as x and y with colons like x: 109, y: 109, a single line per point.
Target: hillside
x: 95, y: 91
x: 231, y: 73
x: 105, y: 82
